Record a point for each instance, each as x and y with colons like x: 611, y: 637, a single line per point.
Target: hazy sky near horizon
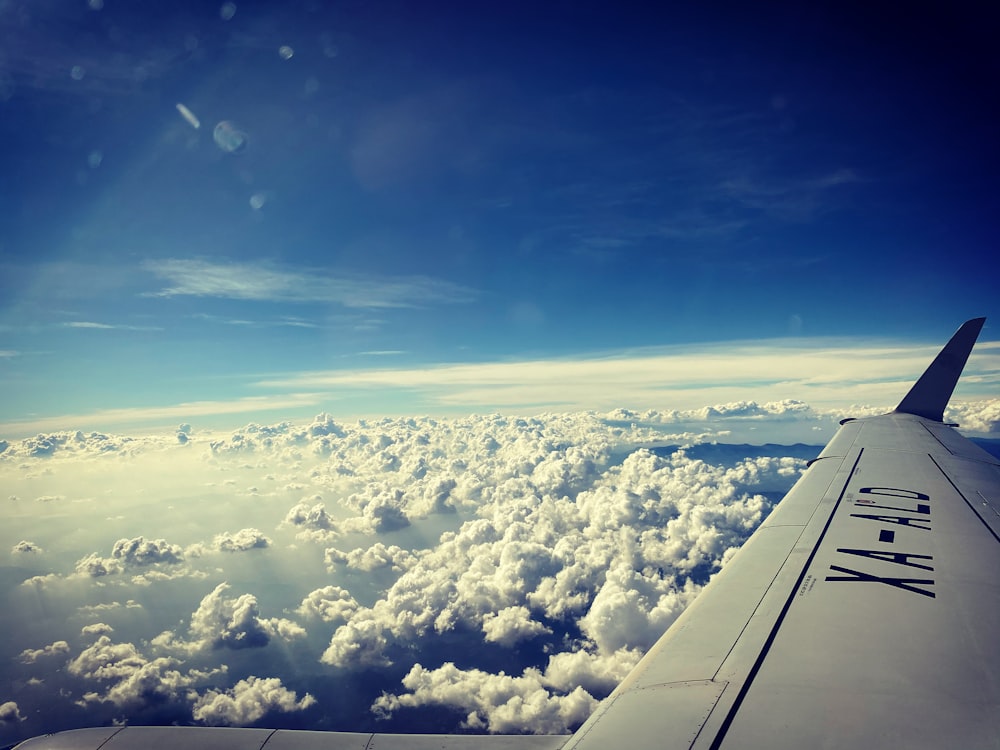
x: 243, y: 211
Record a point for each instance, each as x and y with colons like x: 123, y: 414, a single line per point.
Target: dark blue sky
x: 449, y: 182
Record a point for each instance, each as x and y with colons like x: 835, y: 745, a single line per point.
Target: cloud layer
x: 272, y: 283
x: 502, y: 571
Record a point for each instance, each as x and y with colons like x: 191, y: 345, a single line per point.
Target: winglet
x: 929, y: 396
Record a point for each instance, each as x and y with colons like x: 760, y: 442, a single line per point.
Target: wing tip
x: 930, y: 394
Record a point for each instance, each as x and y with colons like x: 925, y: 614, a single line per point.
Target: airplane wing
x: 233, y: 738
x: 865, y: 612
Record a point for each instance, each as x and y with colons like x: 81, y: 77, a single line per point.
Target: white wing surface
x: 864, y: 613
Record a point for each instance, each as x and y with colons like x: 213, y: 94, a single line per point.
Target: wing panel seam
x: 109, y: 739
x: 962, y: 495
x: 731, y: 716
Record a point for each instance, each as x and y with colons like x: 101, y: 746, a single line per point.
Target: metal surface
x: 226, y: 738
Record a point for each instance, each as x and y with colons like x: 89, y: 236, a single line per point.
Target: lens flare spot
x: 188, y: 115
x: 229, y: 138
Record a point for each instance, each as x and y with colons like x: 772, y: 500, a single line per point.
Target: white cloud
x: 86, y: 324
x: 573, y: 530
x: 224, y: 622
x: 330, y: 604
x: 824, y: 372
x: 88, y: 610
x: 369, y: 559
x: 359, y: 642
x: 30, y: 656
x: 26, y: 547
x: 154, y: 414
x: 95, y: 566
x: 314, y: 522
x: 498, y: 703
x: 137, y: 552
x: 10, y: 713
x: 272, y: 283
x: 977, y: 416
x: 75, y: 443
x: 141, y: 551
x: 248, y: 701
x: 240, y: 541
x: 511, y: 625
x: 382, y: 509
x: 97, y: 628
x: 596, y: 673
x: 128, y: 677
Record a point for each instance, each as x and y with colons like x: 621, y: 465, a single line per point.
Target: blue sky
x: 453, y: 184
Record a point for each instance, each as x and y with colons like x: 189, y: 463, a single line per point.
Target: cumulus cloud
x: 369, y: 559
x: 95, y: 566
x: 772, y: 410
x: 26, y: 547
x: 498, y: 703
x: 30, y: 656
x: 78, y: 443
x: 97, y: 628
x: 314, y: 523
x: 138, y: 552
x: 141, y: 551
x: 382, y: 509
x: 976, y: 416
x: 566, y: 536
x: 88, y: 610
x: 511, y: 625
x: 241, y: 541
x: 330, y: 604
x: 126, y: 676
x: 9, y: 713
x: 248, y: 701
x: 229, y: 622
x: 361, y: 642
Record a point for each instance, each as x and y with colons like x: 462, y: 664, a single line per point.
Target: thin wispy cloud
x: 821, y: 372
x: 265, y: 282
x: 751, y: 189
x: 827, y: 374
x: 287, y: 321
x: 103, y: 418
x: 789, y: 199
x: 89, y: 324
